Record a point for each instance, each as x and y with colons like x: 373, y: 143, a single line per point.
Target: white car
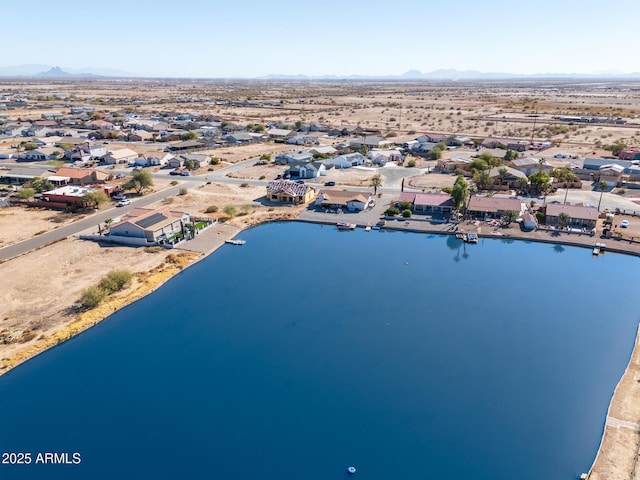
x: 624, y: 223
x: 123, y: 203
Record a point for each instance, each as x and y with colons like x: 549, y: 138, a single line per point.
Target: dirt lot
x: 431, y: 181
x: 20, y: 223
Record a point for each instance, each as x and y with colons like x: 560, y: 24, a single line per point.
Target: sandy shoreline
x: 620, y: 442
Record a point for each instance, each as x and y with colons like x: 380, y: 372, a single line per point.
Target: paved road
x: 93, y: 220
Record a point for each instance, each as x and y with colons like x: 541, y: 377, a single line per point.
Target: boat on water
x: 346, y: 226
x: 236, y: 242
x: 472, y: 238
x: 351, y: 470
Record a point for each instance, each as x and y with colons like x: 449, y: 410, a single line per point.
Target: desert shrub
x: 211, y: 209
x: 244, y: 185
x: 406, y: 213
x: 115, y: 281
x: 174, y: 182
x: 154, y: 249
x: 391, y: 211
x: 183, y: 191
x: 92, y: 297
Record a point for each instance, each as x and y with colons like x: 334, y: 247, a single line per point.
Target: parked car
x: 120, y: 196
x: 624, y: 223
x: 329, y: 184
x: 299, y: 181
x: 123, y: 203
x: 120, y: 175
x: 174, y: 172
x: 186, y: 173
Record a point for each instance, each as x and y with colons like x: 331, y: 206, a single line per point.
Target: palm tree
x: 376, y: 182
x: 522, y: 183
x: 563, y: 219
x: 602, y: 187
x: 510, y: 216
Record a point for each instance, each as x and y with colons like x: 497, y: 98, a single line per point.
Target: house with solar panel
x: 145, y: 226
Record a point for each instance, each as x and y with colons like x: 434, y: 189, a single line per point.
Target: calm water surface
x: 309, y: 350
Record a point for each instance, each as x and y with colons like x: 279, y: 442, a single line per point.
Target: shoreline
x: 609, y: 455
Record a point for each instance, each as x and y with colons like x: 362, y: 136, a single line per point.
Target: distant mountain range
x: 47, y: 71
x: 456, y: 75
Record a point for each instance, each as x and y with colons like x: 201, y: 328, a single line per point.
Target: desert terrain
x: 41, y: 289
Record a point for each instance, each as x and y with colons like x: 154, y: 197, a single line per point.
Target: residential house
x: 160, y: 160
x: 198, y: 160
x: 139, y: 136
x: 492, y: 207
x: 371, y: 141
x: 284, y: 191
x: 38, y: 131
x: 83, y: 176
x: 290, y: 157
x: 432, y: 138
x: 612, y: 175
x: 491, y: 142
x: 348, y: 160
x: 307, y: 169
x: 280, y: 133
x: 101, y: 125
x: 239, y: 137
x: 423, y: 148
x: 429, y: 203
x: 175, y: 162
x: 122, y: 155
x: 144, y: 226
x: 454, y: 164
x: 302, y: 140
x: 630, y: 153
x: 578, y: 215
x: 345, y: 131
x: 323, y: 150
x: 519, y: 146
x: 460, y: 141
x: 506, y: 177
x: 47, y: 141
x: 68, y: 196
x: 86, y: 152
x: 381, y: 157
x: 531, y: 165
x: 350, y: 201
x: 43, y: 154
x: 186, y: 145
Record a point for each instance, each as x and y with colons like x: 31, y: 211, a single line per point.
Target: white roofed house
x: 381, y: 157
x: 307, y: 169
x: 160, y: 160
x: 123, y: 155
x: 351, y: 201
x: 280, y: 133
x: 612, y: 174
x: 290, y: 157
x: 349, y: 160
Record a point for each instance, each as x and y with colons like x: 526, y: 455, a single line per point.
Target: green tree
x: 375, y: 182
x: 140, y: 181
x: 510, y: 156
x: 188, y: 136
x: 27, y: 146
x: 230, y: 210
x: 391, y: 211
x: 266, y: 157
x: 460, y: 192
x: 40, y: 185
x: 616, y: 148
x: 510, y: 216
x: 563, y: 219
x: 540, y: 180
x: 95, y: 198
x: 406, y: 213
x: 108, y: 222
x: 26, y: 192
x: 214, y: 161
x: 602, y: 187
x: 502, y: 172
x: 522, y: 183
x: 115, y: 281
x: 482, y: 180
x: 189, y: 164
x: 479, y: 165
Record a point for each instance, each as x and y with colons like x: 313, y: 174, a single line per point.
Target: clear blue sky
x: 245, y: 38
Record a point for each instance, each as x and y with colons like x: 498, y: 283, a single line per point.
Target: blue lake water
x: 308, y: 350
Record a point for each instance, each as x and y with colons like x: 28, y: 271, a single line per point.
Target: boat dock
x: 467, y: 237
x: 236, y: 242
x: 598, y: 248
